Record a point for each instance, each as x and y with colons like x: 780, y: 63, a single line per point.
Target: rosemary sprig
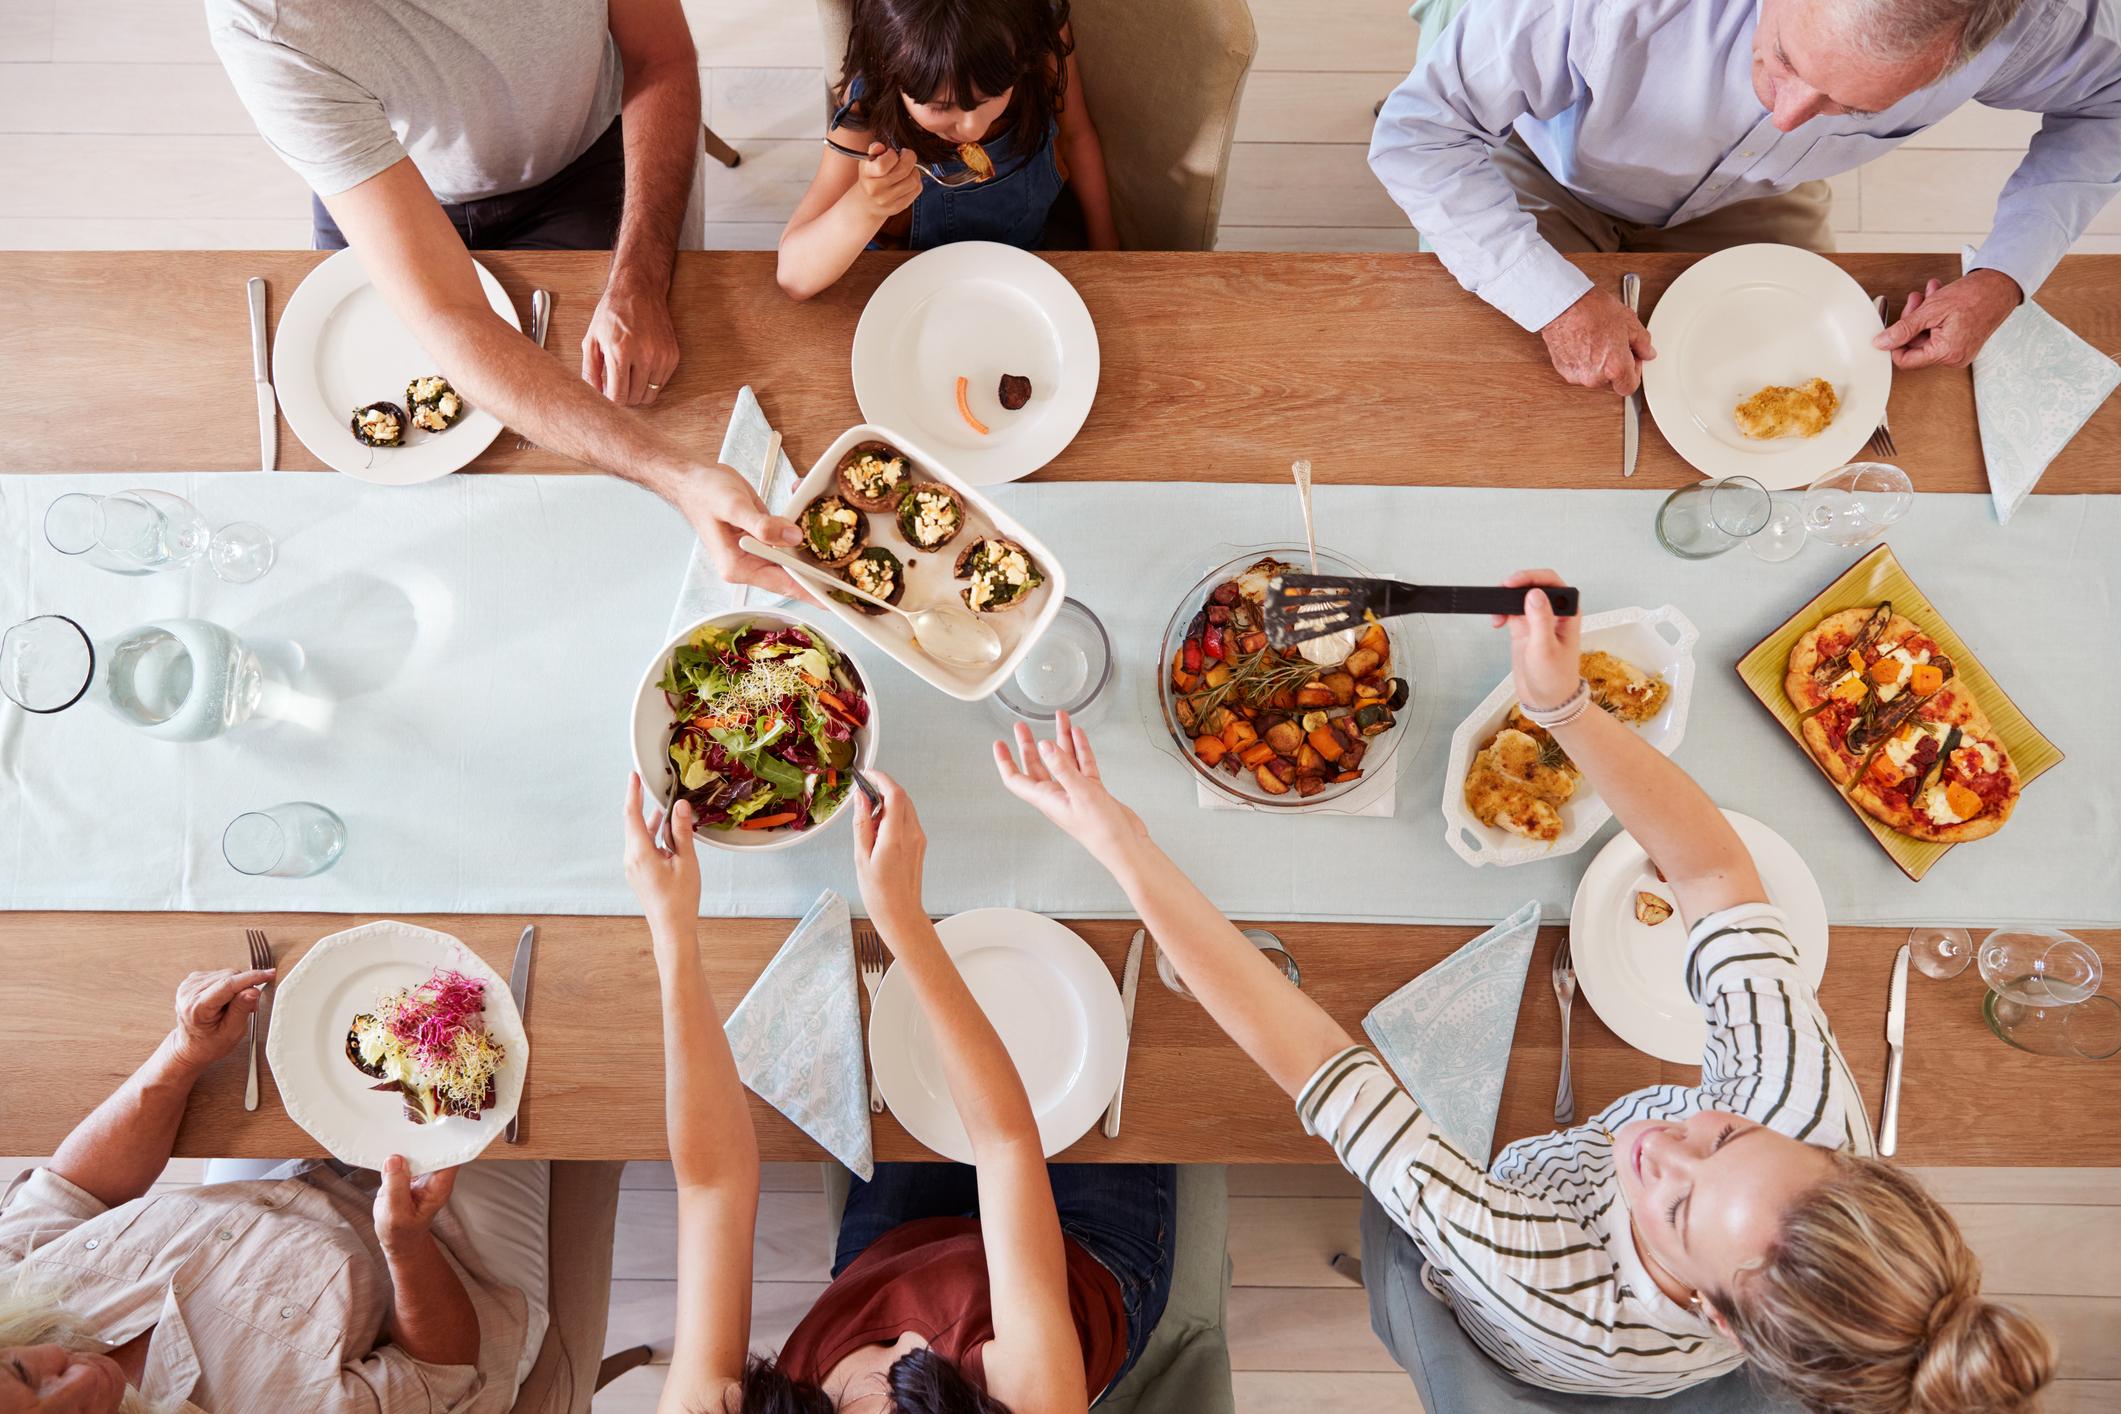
x: 1256, y: 678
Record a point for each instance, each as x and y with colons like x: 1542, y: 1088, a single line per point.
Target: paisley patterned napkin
x: 1447, y: 1033
x: 744, y: 448
x: 2035, y: 384
x: 797, y: 1035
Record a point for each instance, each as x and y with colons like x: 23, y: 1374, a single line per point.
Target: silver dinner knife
x: 1631, y: 405
x: 519, y: 988
x: 261, y: 375
x: 1129, y: 980
x: 1895, y: 1049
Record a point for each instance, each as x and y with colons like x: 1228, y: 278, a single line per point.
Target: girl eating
x: 959, y: 120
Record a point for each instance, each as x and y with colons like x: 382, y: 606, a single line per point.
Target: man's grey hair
x: 1895, y: 31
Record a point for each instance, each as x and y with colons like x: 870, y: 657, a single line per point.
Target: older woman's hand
x: 214, y: 1011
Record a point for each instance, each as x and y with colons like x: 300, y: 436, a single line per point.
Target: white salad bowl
x: 1658, y: 641
x: 652, y: 718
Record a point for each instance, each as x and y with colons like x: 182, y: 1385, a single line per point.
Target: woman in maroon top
x: 956, y: 1291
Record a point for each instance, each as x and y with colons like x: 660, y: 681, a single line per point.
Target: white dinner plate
x: 312, y: 1008
x: 1633, y: 975
x: 340, y: 346
x: 1054, y: 1004
x: 977, y: 309
x: 1751, y: 316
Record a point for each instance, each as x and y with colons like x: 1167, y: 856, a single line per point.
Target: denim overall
x: 1010, y: 207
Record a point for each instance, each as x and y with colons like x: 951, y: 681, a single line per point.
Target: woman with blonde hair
x: 1684, y: 1231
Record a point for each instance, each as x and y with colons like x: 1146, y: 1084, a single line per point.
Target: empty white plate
x: 1054, y: 1005
x: 977, y: 310
x: 1633, y: 975
x: 311, y: 1010
x: 340, y: 346
x: 1754, y: 315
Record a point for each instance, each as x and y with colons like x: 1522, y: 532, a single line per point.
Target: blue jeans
x: 1124, y: 1215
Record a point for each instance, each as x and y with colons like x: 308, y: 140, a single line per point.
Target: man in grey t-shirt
x: 426, y: 126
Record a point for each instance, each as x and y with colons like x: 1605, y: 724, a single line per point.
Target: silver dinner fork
x: 1565, y: 993
x: 933, y: 171
x: 260, y: 958
x: 1881, y: 441
x: 869, y: 957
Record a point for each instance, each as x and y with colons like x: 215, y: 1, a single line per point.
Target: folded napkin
x: 2035, y: 384
x: 704, y: 591
x: 1447, y: 1033
x: 797, y: 1035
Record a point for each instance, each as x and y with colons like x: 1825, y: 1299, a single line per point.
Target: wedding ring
x: 655, y: 387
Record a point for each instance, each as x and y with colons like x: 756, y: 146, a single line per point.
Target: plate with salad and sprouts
x: 758, y: 719
x: 394, y: 1039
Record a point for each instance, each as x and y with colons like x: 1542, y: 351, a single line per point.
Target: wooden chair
x: 1167, y: 143
x: 571, y: 1366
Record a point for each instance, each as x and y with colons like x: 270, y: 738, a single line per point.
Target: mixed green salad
x: 766, y: 726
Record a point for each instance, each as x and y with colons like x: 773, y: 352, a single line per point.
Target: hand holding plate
x: 406, y: 1207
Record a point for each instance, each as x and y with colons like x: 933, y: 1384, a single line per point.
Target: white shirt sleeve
x: 330, y: 130
x: 1498, y: 61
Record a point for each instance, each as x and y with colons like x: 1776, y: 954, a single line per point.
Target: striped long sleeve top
x: 1535, y: 1255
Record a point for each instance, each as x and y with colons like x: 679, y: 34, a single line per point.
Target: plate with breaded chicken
x: 1764, y: 365
x: 1511, y: 794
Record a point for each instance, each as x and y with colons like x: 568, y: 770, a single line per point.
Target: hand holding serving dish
x: 1511, y: 795
x: 883, y: 516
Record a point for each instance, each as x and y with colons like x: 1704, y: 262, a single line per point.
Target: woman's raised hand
x: 666, y: 881
x: 890, y: 850
x: 1545, y: 650
x: 1060, y: 778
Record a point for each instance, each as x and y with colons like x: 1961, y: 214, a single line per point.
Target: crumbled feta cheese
x: 934, y: 517
x: 1938, y: 806
x: 1977, y: 756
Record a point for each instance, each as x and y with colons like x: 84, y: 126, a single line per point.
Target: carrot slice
x: 767, y: 822
x: 964, y: 409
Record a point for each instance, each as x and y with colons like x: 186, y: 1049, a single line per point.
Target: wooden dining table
x: 1215, y: 367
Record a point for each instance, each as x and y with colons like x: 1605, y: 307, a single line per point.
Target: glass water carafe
x: 177, y: 679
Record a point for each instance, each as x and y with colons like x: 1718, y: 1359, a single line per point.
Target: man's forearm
x: 499, y: 369
x: 431, y: 1315
x: 661, y: 112
x: 118, y: 1152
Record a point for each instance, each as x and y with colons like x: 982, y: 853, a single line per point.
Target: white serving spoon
x: 943, y: 631
x: 1332, y: 649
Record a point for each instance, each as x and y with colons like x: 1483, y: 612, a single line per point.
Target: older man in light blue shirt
x: 1655, y: 114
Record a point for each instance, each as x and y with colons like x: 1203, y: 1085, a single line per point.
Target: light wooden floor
x: 2049, y: 1241
x: 118, y: 130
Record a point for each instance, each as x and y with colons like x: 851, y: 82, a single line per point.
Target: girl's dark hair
x: 955, y: 51
x: 921, y: 1381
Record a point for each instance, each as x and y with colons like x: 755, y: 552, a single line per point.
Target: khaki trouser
x: 1573, y: 226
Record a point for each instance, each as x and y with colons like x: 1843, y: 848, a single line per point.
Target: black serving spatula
x: 1306, y: 606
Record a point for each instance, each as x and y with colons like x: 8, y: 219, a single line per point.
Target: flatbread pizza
x: 1885, y: 716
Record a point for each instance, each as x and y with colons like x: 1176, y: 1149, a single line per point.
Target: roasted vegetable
x: 1372, y: 720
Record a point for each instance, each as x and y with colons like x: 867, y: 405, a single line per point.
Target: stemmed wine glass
x: 1940, y: 952
x: 1853, y: 505
x: 143, y: 532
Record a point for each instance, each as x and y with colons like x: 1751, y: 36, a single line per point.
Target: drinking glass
x: 178, y: 679
x: 1940, y: 952
x: 1259, y: 938
x: 1854, y: 504
x: 142, y: 532
x: 1705, y: 519
x: 2087, y: 1030
x: 290, y: 841
x: 1067, y: 670
x: 1783, y: 535
x: 2039, y: 967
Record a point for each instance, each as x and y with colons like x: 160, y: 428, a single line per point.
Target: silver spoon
x: 943, y: 631
x: 1329, y: 650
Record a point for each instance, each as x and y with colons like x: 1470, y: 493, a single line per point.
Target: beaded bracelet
x: 1575, y: 706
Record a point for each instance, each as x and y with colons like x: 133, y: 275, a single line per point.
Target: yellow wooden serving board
x: 1874, y: 577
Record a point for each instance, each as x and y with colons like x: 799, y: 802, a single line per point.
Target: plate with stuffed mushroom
x: 361, y: 393
x: 884, y: 515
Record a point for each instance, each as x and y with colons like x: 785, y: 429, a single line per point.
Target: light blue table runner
x: 483, y: 772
